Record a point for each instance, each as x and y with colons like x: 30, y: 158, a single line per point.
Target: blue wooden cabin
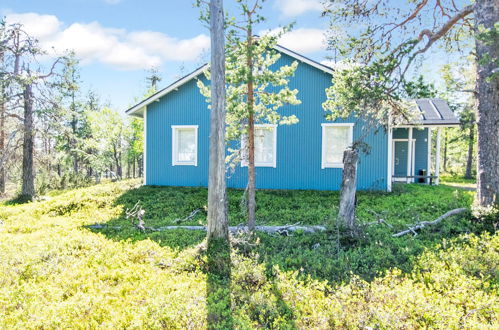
x: 306, y: 155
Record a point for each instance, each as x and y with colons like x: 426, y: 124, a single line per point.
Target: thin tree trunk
x: 471, y: 142
x: 445, y: 150
x: 487, y: 87
x: 141, y: 166
x: 134, y: 170
x: 251, y: 135
x: 28, y: 180
x: 217, y: 194
x: 346, y: 214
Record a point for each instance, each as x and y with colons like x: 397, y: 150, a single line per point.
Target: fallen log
x: 266, y: 229
x: 423, y: 224
x: 234, y: 229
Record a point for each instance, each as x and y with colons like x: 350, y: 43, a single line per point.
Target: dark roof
x: 434, y: 112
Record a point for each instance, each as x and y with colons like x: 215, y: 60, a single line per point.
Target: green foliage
x: 59, y: 273
x: 107, y: 141
x: 251, y: 59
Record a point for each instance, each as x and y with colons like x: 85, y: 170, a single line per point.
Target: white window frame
x: 244, y: 161
x: 325, y: 164
x: 175, y: 161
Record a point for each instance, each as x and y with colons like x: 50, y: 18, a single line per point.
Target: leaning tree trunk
x: 346, y: 214
x: 28, y: 179
x: 217, y: 194
x: 487, y: 87
x: 471, y: 142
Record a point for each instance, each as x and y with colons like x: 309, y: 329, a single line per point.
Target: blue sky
x: 118, y: 40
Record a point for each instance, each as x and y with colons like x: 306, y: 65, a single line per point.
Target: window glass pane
x: 264, y: 145
x: 186, y: 145
x: 337, y: 140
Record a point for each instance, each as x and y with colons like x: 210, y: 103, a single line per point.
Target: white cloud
x: 302, y: 40
x: 128, y: 50
x: 38, y: 26
x: 168, y: 47
x: 293, y: 8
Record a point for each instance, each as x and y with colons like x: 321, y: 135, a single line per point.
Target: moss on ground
x: 56, y: 272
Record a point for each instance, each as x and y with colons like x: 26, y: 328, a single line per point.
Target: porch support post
x: 390, y: 160
x: 409, y: 156
x: 144, y: 153
x: 437, y: 158
x: 428, y: 162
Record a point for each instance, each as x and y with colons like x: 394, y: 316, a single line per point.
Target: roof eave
x: 144, y: 103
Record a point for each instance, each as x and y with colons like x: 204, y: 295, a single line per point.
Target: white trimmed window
x: 335, y: 139
x: 265, y: 146
x: 185, y: 145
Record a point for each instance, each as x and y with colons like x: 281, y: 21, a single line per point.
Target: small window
x: 335, y: 139
x: 185, y: 145
x: 265, y: 146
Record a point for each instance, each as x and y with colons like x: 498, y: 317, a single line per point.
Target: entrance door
x: 400, y: 150
x: 400, y: 159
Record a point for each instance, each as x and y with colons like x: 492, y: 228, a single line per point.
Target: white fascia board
x: 167, y: 90
x: 304, y: 59
x: 138, y: 107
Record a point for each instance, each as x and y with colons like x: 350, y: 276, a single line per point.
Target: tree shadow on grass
x: 218, y: 286
x: 323, y: 256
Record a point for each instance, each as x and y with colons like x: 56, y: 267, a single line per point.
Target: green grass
x: 57, y: 272
x: 458, y: 181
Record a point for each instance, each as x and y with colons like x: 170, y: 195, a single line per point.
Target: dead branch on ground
x: 423, y: 224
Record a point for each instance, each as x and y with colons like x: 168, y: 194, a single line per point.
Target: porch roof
x: 434, y: 112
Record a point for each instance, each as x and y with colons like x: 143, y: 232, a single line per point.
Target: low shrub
x: 59, y: 273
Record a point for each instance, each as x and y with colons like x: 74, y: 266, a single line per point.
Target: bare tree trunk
x: 217, y: 194
x: 2, y: 129
x: 134, y: 170
x: 2, y: 147
x: 28, y: 180
x: 445, y: 150
x: 141, y: 166
x: 471, y: 142
x: 487, y: 87
x: 2, y: 140
x: 346, y: 214
x: 251, y: 136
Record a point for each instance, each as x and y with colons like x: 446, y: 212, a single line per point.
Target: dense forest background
x: 54, y: 132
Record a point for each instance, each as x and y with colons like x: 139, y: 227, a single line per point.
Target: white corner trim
x: 389, y: 164
x: 324, y: 164
x: 144, y: 152
x: 428, y: 162
x: 175, y: 162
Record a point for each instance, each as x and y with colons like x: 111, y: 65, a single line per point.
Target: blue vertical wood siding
x: 298, y: 146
